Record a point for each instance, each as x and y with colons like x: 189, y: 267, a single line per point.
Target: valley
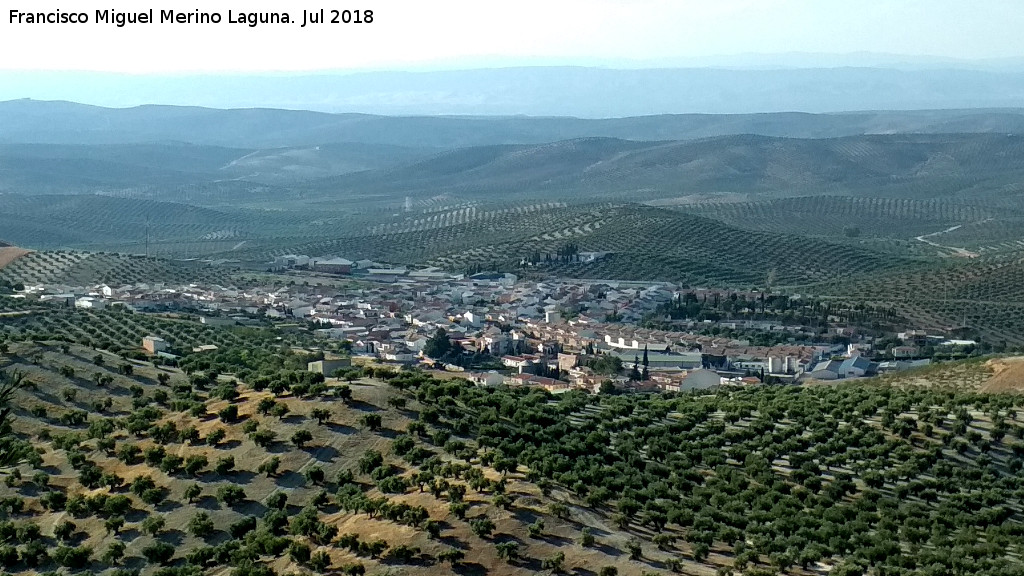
x: 257, y: 342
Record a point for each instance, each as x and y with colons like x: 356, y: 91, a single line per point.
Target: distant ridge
x: 965, y: 166
x: 581, y: 91
x: 59, y: 122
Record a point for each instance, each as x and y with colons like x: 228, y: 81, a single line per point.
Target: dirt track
x: 956, y: 251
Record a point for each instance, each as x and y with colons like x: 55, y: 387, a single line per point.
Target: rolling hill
x: 86, y: 269
x: 910, y: 166
x: 731, y: 200
x: 763, y: 190
x: 49, y: 122
x: 915, y: 166
x: 144, y: 168
x: 829, y: 216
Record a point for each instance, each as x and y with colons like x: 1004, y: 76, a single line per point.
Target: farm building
x: 154, y: 344
x: 854, y: 367
x: 289, y: 261
x: 67, y: 300
x: 900, y: 365
x: 700, y: 379
x: 781, y: 365
x: 491, y: 378
x: 90, y: 303
x: 218, y: 322
x: 589, y: 257
x: 333, y: 266
x: 328, y: 367
x: 518, y: 363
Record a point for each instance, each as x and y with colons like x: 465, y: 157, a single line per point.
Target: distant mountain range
x: 282, y: 159
x: 56, y: 122
x: 886, y: 83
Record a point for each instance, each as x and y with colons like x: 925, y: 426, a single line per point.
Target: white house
x: 88, y: 302
x: 516, y: 362
x: 290, y: 261
x: 154, y: 344
x: 491, y: 378
x: 217, y: 321
x: 416, y: 342
x: 63, y: 299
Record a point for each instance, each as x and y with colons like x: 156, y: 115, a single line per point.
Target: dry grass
x: 987, y: 375
x: 1007, y: 375
x: 9, y: 254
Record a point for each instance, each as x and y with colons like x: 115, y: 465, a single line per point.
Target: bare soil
x: 1008, y: 375
x: 9, y: 254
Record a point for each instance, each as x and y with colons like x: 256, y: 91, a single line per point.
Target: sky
x: 420, y: 34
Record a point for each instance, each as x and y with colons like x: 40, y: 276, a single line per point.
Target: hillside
x: 910, y: 166
x: 340, y: 443
x: 270, y: 193
x: 89, y: 269
x: 952, y: 166
x: 986, y: 375
x: 142, y: 168
x: 644, y: 243
x: 1008, y: 375
x: 140, y: 466
x: 983, y: 170
x: 9, y: 254
x: 981, y: 297
x: 829, y: 216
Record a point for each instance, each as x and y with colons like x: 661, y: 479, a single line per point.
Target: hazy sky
x: 458, y: 33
